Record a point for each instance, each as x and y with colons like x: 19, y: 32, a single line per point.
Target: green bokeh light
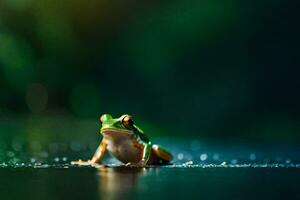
x: 16, y: 61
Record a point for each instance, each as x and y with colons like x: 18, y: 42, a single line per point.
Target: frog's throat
x: 114, y: 130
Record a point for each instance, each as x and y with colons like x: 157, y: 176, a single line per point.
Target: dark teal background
x: 219, y: 69
x: 214, y: 81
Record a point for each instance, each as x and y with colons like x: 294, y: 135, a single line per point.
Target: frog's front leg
x: 96, y: 159
x: 146, y: 155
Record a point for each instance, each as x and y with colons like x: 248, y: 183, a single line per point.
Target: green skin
x: 128, y: 143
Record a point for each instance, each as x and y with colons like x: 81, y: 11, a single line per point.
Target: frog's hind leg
x: 162, y: 153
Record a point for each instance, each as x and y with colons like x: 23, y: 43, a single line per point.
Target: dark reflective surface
x: 119, y: 182
x: 154, y: 183
x: 35, y: 165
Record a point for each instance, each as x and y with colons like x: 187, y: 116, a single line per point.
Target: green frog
x: 128, y: 143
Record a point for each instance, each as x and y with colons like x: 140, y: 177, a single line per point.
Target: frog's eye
x: 127, y: 121
x: 102, y: 118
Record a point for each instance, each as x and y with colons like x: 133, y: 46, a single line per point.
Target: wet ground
x: 199, y: 171
x: 154, y: 183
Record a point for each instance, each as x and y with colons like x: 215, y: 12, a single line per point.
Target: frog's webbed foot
x: 85, y: 163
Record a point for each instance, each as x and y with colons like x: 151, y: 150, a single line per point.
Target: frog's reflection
x: 118, y: 182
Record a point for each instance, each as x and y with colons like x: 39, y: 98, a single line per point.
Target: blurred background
x: 221, y: 70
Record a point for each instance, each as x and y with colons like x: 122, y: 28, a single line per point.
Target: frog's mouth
x: 112, y: 131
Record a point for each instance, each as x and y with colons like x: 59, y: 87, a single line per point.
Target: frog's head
x: 121, y: 125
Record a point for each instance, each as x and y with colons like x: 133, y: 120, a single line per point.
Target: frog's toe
x: 83, y: 163
x: 140, y: 164
x: 129, y: 164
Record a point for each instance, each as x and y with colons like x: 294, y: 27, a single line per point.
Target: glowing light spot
x: 10, y: 154
x: 75, y: 146
x: 56, y: 159
x: 203, y: 156
x: 252, y: 156
x: 44, y: 154
x: 180, y: 156
x: 16, y: 145
x: 234, y: 161
x: 223, y: 163
x: 188, y: 162
x: 216, y: 156
x: 17, y: 61
x: 37, y: 164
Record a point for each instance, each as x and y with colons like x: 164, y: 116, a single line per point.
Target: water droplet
x: 188, y: 163
x: 203, y: 156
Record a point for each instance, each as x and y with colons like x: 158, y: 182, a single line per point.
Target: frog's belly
x: 125, y: 150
